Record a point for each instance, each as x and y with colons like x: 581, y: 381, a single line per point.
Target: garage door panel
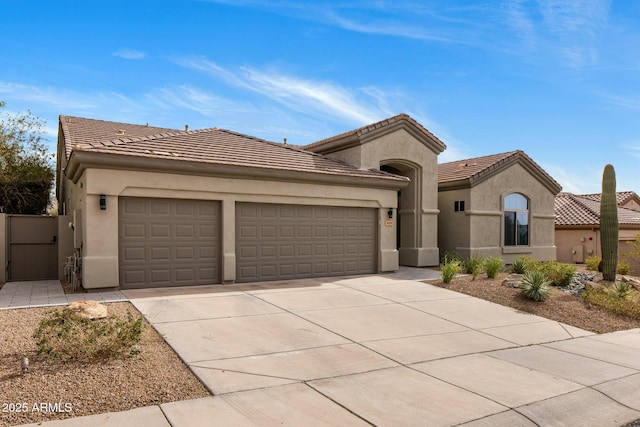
x: 167, y: 242
x: 303, y: 241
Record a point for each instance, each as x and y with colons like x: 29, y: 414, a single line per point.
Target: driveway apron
x: 387, y: 351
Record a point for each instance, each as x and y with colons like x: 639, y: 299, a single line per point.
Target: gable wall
x: 400, y: 145
x: 487, y: 229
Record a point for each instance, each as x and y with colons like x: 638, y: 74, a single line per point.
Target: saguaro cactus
x: 609, y: 224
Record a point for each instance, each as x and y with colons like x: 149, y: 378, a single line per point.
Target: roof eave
x: 82, y: 160
x: 355, y: 138
x: 492, y: 170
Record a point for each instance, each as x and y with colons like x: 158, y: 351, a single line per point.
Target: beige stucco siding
x: 100, y: 227
x: 420, y: 219
x: 588, y: 240
x: 454, y: 227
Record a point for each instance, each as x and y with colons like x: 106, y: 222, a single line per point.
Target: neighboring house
x: 154, y: 207
x: 497, y: 205
x: 578, y: 226
x: 625, y: 199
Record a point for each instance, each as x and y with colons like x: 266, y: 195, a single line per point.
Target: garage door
x: 168, y: 242
x: 275, y: 242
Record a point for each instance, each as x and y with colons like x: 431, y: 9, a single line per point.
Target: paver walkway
x: 46, y: 293
x: 384, y: 351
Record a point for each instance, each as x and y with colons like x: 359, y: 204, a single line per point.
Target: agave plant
x: 535, y: 285
x: 621, y: 289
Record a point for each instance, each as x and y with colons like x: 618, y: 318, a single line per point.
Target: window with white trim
x: 516, y: 220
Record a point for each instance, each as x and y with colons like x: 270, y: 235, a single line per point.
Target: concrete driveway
x: 388, y: 352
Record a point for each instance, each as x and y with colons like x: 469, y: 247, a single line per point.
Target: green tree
x: 26, y: 167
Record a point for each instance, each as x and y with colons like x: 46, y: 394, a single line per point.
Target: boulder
x: 89, y: 309
x: 512, y: 281
x: 589, y: 284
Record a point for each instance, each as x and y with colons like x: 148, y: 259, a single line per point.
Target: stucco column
x: 228, y: 240
x: 100, y: 241
x: 389, y: 259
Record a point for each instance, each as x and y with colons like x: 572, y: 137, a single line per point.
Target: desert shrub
x: 522, y: 264
x: 474, y: 266
x: 559, y: 273
x: 450, y: 256
x: 492, y: 266
x: 449, y: 269
x: 623, y: 268
x: 64, y: 335
x: 535, y: 285
x: 592, y: 263
x: 609, y: 301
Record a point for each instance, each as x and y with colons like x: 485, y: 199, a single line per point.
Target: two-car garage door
x: 172, y: 242
x: 277, y: 242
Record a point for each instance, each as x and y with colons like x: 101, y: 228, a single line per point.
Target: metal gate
x: 33, y: 247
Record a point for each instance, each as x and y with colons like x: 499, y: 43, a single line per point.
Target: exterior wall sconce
x: 103, y: 202
x: 390, y: 213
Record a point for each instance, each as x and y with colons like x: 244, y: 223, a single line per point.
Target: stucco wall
x: 485, y: 216
x: 454, y: 227
x: 100, y: 230
x: 589, y: 239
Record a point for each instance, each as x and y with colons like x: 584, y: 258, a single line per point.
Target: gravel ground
x: 561, y: 306
x: 52, y: 390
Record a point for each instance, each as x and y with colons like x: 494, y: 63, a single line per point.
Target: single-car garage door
x: 168, y: 242
x: 275, y: 242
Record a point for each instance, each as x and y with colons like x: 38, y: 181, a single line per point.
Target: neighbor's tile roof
x: 79, y: 131
x: 375, y: 126
x: 622, y: 197
x: 572, y: 210
x: 224, y: 147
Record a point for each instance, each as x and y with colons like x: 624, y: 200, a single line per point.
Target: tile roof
x: 219, y: 146
x: 364, y: 130
x: 80, y: 131
x: 622, y: 197
x: 470, y: 171
x: 577, y: 210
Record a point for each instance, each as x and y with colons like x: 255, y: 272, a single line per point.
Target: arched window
x: 516, y: 220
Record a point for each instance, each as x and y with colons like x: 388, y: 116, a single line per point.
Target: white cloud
x: 312, y: 97
x: 129, y: 54
x: 622, y: 101
x: 569, y: 29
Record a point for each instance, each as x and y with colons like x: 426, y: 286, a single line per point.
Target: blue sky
x: 559, y: 79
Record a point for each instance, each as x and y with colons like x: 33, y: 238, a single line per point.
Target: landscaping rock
x: 512, y: 281
x: 632, y: 281
x: 580, y: 282
x: 89, y: 309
